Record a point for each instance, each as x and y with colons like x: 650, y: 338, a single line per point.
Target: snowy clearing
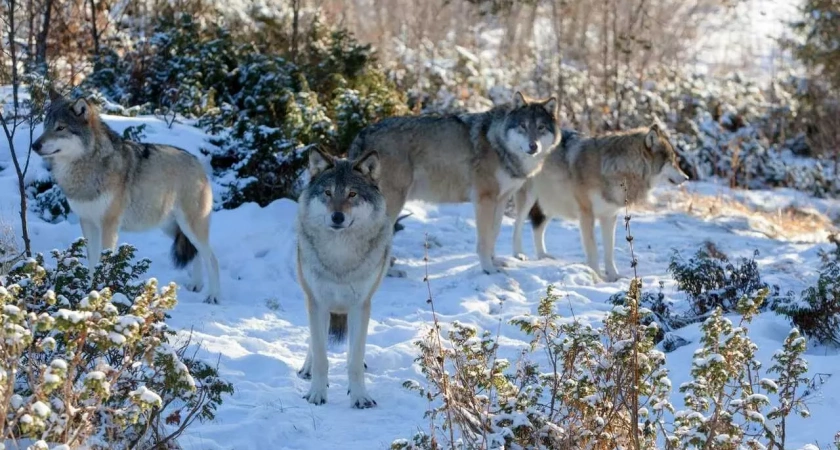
x: 259, y: 332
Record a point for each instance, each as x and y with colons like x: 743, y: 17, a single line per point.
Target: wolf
x: 594, y: 177
x: 343, y: 250
x: 114, y: 184
x: 479, y: 157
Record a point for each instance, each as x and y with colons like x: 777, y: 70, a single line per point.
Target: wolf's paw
x: 546, y: 256
x: 212, y: 299
x: 491, y: 270
x: 316, y: 395
x: 396, y: 273
x: 194, y: 287
x: 612, y: 277
x: 521, y: 256
x: 362, y: 401
x: 304, y: 374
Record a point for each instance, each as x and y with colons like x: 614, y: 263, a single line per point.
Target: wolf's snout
x: 337, y: 218
x: 36, y: 146
x: 533, y: 146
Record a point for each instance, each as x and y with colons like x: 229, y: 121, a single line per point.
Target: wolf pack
x: 350, y: 207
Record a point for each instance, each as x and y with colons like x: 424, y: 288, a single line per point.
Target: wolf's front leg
x: 357, y: 324
x: 499, y: 214
x: 587, y: 237
x: 93, y: 236
x: 608, y: 224
x: 319, y: 318
x: 110, y: 233
x: 485, y: 217
x: 523, y: 201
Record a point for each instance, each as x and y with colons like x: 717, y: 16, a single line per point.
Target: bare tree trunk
x: 94, y: 32
x: 41, y: 45
x: 295, y: 28
x: 10, y: 132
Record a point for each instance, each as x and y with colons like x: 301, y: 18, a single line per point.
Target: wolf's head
x: 531, y: 127
x: 665, y: 164
x: 343, y: 193
x: 68, y: 129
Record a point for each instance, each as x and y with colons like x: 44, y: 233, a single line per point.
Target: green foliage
x: 135, y: 133
x: 819, y: 49
x: 817, y: 310
x: 91, y: 360
x: 711, y: 280
x: 262, y: 109
x: 49, y: 201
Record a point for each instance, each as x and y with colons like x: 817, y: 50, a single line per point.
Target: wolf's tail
x: 338, y: 328
x: 537, y: 215
x: 183, y: 251
x: 397, y: 225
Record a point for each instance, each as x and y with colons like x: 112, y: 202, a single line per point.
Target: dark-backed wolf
x: 114, y: 184
x: 591, y: 177
x: 482, y: 157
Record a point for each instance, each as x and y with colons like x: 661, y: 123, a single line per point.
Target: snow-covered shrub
x: 578, y: 386
x: 817, y: 310
x: 88, y: 358
x: 657, y: 304
x: 579, y: 398
x: 711, y: 280
x: 263, y: 106
x: 49, y: 201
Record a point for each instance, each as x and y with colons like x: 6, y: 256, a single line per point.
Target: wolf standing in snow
x: 589, y: 178
x: 343, y: 247
x: 113, y: 184
x: 482, y: 157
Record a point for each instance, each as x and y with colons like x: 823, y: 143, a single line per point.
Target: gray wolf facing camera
x: 343, y: 247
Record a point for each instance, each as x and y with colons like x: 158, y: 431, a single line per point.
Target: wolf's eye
x: 351, y: 194
x: 60, y: 128
x: 328, y: 193
x: 542, y: 128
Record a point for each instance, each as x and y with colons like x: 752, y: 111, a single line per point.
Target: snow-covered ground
x: 258, y: 334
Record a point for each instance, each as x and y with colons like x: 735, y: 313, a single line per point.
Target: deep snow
x: 259, y: 332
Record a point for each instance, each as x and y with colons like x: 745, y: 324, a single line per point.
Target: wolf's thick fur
x: 343, y: 247
x: 589, y: 178
x: 113, y: 184
x: 483, y: 158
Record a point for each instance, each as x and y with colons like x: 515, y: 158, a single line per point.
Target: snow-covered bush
x: 817, y: 310
x: 580, y: 397
x: 579, y: 386
x: 711, y: 280
x: 88, y: 358
x: 262, y: 105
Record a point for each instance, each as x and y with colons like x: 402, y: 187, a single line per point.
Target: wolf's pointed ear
x: 519, y: 100
x: 651, y: 137
x: 368, y: 165
x: 81, y: 108
x: 550, y: 105
x: 319, y: 161
x: 54, y: 95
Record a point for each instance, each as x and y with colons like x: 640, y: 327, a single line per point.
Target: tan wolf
x: 589, y: 178
x: 481, y: 157
x: 113, y: 184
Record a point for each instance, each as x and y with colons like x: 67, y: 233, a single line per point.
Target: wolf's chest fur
x: 341, y: 269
